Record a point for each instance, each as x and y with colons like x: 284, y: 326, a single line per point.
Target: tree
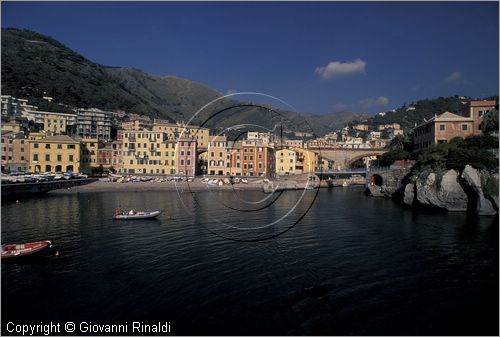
x: 490, y: 122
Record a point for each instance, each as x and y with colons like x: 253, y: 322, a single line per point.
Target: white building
x: 12, y: 106
x: 94, y: 123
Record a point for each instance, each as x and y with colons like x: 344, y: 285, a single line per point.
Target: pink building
x: 185, y: 157
x: 105, y: 156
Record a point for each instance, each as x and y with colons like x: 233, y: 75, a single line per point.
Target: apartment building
x: 15, y: 152
x: 285, y: 162
x: 59, y: 153
x: 174, y: 131
x: 94, y: 123
x: 144, y: 152
x: 306, y: 161
x: 12, y: 106
x: 235, y: 150
x: 186, y: 156
x: 258, y: 159
x: 88, y: 154
x: 218, y: 157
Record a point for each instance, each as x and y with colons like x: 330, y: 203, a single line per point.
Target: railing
x: 361, y: 170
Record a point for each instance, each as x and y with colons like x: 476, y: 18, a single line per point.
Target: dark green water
x: 352, y: 265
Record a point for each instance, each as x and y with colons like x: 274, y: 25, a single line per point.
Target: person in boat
x: 131, y: 212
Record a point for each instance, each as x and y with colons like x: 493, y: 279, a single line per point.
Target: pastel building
x: 144, y: 152
x: 174, y: 131
x: 88, y: 154
x: 285, y: 162
x: 15, y: 152
x: 59, y: 153
x: 442, y: 129
x: 218, y: 158
x: 186, y: 158
x: 258, y: 159
x: 306, y: 161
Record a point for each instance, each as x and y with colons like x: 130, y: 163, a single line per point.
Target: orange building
x: 258, y: 159
x: 477, y: 111
x: 442, y: 129
x: 15, y: 152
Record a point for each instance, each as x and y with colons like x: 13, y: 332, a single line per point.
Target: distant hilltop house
x: 360, y: 127
x: 446, y: 126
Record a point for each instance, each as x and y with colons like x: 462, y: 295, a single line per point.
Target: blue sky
x: 320, y: 57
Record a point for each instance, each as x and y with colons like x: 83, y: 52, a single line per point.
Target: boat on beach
x: 16, y: 250
x: 132, y: 215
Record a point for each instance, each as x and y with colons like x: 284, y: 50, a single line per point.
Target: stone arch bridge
x: 344, y: 158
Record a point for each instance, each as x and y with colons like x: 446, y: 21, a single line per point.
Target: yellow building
x: 54, y: 123
x: 285, y: 162
x: 147, y: 152
x: 12, y: 126
x: 88, y: 154
x: 174, y: 131
x: 36, y: 135
x: 305, y: 161
x: 59, y: 153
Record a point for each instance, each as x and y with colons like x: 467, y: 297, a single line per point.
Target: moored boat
x: 14, y: 250
x: 132, y: 215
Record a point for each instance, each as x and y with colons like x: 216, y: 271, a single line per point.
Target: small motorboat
x: 133, y: 215
x: 14, y: 250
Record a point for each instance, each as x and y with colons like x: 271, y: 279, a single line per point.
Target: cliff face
x: 472, y: 190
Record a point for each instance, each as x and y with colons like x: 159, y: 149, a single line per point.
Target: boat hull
x: 24, y: 250
x: 137, y: 216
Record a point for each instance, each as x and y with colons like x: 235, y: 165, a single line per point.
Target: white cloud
x: 455, y: 77
x: 336, y: 68
x: 340, y: 107
x: 373, y: 102
x: 363, y: 104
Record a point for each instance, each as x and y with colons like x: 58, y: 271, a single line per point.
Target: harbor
x: 351, y: 258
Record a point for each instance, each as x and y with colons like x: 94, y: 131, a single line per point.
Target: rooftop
x: 482, y: 103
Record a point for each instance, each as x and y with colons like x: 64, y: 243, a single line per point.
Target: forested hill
x: 415, y: 112
x: 35, y: 65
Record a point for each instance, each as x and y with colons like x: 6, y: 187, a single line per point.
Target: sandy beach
x: 196, y: 185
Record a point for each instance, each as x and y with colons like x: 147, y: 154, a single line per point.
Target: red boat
x: 24, y: 249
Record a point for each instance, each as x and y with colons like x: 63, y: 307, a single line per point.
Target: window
x: 35, y: 157
x: 59, y: 157
x: 47, y: 157
x: 441, y: 127
x: 71, y: 146
x: 59, y: 146
x: 70, y: 157
x: 47, y: 146
x: 35, y: 146
x: 464, y: 127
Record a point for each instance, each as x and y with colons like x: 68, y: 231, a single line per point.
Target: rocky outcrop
x: 409, y: 194
x: 445, y: 192
x: 473, y: 179
x: 472, y: 190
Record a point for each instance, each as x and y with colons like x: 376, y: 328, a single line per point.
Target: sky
x: 319, y: 57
